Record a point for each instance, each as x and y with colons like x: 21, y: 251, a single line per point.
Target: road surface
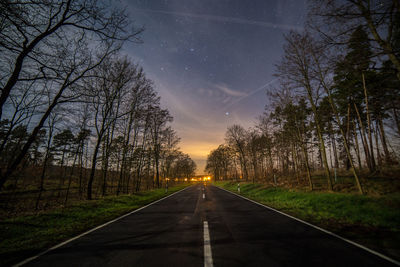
x: 207, y: 226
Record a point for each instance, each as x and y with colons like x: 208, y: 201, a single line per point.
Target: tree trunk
x: 323, y: 157
x: 345, y: 143
x: 70, y: 177
x: 364, y: 140
x: 384, y: 142
x: 105, y: 156
x: 396, y: 120
x: 357, y: 147
x: 82, y: 147
x: 307, y: 167
x: 296, y: 169
x: 371, y: 147
x: 46, y: 159
x: 93, y: 169
x: 378, y: 153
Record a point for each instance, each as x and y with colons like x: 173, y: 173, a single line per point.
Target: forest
x: 332, y: 121
x: 78, y: 118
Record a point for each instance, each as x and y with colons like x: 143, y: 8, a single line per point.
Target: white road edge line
x: 208, y: 261
x: 94, y: 229
x: 319, y: 228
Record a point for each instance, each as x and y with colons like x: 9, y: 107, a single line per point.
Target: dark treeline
x: 336, y: 106
x: 77, y: 117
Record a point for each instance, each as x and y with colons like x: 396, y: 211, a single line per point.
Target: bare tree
x: 31, y: 30
x: 107, y: 89
x: 158, y: 117
x: 236, y: 137
x: 296, y: 69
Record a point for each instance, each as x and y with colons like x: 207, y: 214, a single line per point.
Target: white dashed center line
x: 208, y: 262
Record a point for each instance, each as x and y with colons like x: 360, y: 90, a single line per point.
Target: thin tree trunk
x: 62, y: 176
x: 81, y: 168
x: 46, y: 159
x: 364, y: 140
x: 335, y: 154
x: 371, y: 146
x: 321, y: 141
x: 70, y: 178
x: 296, y: 169
x: 384, y: 142
x: 305, y: 153
x: 93, y: 169
x: 396, y: 120
x: 105, y: 156
x: 356, y: 145
x: 378, y: 153
x: 345, y: 143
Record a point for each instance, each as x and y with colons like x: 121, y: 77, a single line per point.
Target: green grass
x: 25, y: 236
x: 319, y: 206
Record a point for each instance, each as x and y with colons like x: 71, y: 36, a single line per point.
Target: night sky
x: 211, y: 61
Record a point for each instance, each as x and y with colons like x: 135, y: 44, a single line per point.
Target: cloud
x: 228, y: 91
x: 251, y: 93
x: 226, y: 19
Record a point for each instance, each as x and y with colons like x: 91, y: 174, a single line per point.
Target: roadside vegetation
x: 25, y: 236
x: 370, y: 220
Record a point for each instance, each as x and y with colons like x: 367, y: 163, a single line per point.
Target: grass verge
x: 25, y: 236
x: 371, y: 221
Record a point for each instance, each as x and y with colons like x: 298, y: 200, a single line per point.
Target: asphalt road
x: 175, y: 232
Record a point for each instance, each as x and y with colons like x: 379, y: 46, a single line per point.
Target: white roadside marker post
x: 239, y: 188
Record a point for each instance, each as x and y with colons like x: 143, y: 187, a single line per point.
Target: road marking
x: 319, y: 228
x: 204, y: 195
x: 208, y: 262
x: 94, y: 229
